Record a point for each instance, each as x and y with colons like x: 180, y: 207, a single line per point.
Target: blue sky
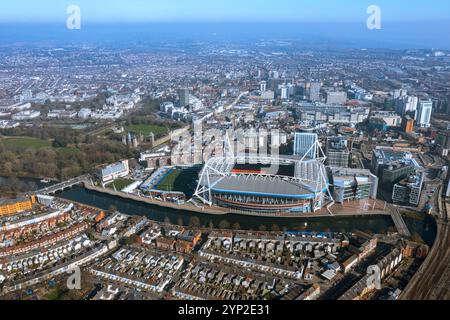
x: 113, y: 11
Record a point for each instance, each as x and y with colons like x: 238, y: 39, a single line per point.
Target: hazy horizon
x: 412, y: 24
x: 393, y: 35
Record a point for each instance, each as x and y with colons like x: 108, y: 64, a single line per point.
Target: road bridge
x: 51, y: 190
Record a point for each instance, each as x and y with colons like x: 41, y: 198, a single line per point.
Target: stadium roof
x: 262, y: 186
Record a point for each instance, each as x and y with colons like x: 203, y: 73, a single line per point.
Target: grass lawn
x: 120, y: 184
x: 55, y: 294
x: 180, y: 180
x: 22, y: 143
x: 146, y: 129
x: 69, y: 150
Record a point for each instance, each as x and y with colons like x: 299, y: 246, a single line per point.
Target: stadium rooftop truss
x: 310, y: 178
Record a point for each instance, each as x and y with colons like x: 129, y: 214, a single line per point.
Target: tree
x: 262, y: 228
x: 417, y: 238
x: 224, y: 224
x: 275, y: 228
x: 7, y: 168
x: 236, y: 226
x: 59, y: 142
x: 194, y: 222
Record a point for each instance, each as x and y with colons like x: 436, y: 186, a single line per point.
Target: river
x: 425, y: 228
x: 376, y: 224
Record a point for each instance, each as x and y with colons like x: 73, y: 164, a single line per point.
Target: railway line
x: 432, y: 281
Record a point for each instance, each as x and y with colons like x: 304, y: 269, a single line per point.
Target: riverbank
x: 183, y: 207
x: 340, y: 212
x: 380, y: 224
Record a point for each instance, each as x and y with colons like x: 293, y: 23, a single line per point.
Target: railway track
x: 432, y: 281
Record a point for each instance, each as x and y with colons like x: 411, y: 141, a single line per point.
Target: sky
x: 131, y: 11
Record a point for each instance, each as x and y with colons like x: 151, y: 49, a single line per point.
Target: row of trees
x: 194, y: 222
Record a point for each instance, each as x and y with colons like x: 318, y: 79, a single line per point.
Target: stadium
x: 264, y: 184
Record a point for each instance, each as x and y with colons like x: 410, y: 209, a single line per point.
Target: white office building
x: 314, y: 91
x: 84, y: 113
x: 284, y: 92
x: 336, y: 97
x: 26, y: 115
x: 406, y: 104
x: 113, y: 172
x: 423, y: 114
x: 263, y: 87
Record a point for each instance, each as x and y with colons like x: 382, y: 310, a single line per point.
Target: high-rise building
x: 398, y: 93
x: 406, y: 104
x: 423, y: 114
x: 263, y: 86
x: 408, y: 124
x: 337, y: 152
x: 284, y: 92
x: 314, y: 91
x: 184, y: 97
x: 305, y: 144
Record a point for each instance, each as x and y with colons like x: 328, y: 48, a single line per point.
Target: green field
x: 179, y: 180
x: 22, y: 143
x: 120, y: 184
x: 146, y: 129
x: 168, y: 183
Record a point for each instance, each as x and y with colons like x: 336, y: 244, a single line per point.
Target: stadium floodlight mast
x: 317, y: 151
